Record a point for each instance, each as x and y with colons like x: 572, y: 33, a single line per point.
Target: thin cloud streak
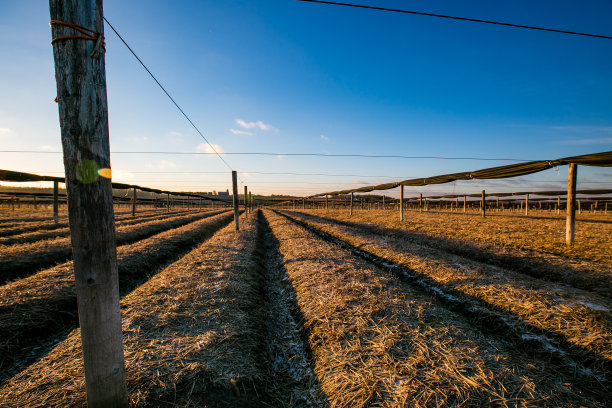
x: 241, y: 132
x: 597, y: 141
x: 255, y: 125
x: 208, y: 148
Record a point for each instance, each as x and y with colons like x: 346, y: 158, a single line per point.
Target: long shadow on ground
x: 528, y: 265
x: 488, y: 318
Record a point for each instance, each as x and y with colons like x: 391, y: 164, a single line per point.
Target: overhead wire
x: 167, y: 94
x: 474, y: 20
x: 372, y: 156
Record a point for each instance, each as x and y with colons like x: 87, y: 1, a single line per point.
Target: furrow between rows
x: 575, y: 319
x: 24, y: 259
x: 38, y: 309
x: 380, y: 340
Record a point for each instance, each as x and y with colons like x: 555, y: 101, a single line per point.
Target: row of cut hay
x: 494, y: 240
x: 293, y: 382
x: 37, y: 309
x: 376, y: 341
x: 45, y: 234
x: 191, y: 336
x: 580, y: 318
x: 23, y: 259
x: 538, y: 234
x: 13, y: 228
x: 33, y: 217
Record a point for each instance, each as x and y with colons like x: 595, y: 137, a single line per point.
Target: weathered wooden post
x: 570, y: 222
x: 326, y: 203
x: 235, y: 197
x: 133, y: 201
x: 383, y: 203
x: 497, y: 204
x: 246, y: 206
x: 55, y: 201
x: 526, y: 204
x: 464, y: 204
x: 420, y: 202
x: 351, y: 210
x: 558, y: 204
x: 484, y: 204
x: 579, y: 207
x: 401, y: 203
x: 35, y: 203
x: 13, y: 203
x: 251, y: 201
x: 83, y: 114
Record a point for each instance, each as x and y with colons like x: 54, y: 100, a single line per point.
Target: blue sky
x: 290, y: 77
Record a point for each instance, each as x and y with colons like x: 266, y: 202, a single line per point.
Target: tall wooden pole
x: 235, y: 197
x: 464, y: 204
x: 351, y: 211
x: 420, y: 202
x: 571, y: 203
x: 251, y: 201
x: 83, y: 113
x: 401, y: 202
x: 246, y: 207
x: 526, y: 204
x: 133, y: 201
x: 483, y: 204
x: 56, y: 201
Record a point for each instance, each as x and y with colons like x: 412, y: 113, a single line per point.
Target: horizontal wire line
x: 474, y: 20
x: 373, y: 156
x: 167, y: 94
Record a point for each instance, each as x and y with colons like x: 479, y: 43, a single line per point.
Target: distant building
x: 223, y: 193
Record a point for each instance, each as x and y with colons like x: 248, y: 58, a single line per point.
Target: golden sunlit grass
x: 191, y: 336
x: 33, y: 308
x: 540, y: 231
x: 581, y: 317
x: 38, y: 230
x: 18, y: 260
x: 376, y: 341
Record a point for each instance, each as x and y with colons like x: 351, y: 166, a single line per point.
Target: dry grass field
x: 309, y: 309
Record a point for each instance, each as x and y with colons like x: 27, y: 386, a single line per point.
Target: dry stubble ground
x: 376, y: 341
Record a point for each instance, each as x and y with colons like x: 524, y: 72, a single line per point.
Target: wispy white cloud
x: 596, y: 141
x: 583, y: 129
x: 48, y: 148
x: 241, y: 132
x: 208, y: 148
x: 324, y: 138
x: 248, y: 175
x: 175, y: 133
x: 256, y: 125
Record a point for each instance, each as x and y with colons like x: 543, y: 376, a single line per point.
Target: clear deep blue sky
x: 285, y: 76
